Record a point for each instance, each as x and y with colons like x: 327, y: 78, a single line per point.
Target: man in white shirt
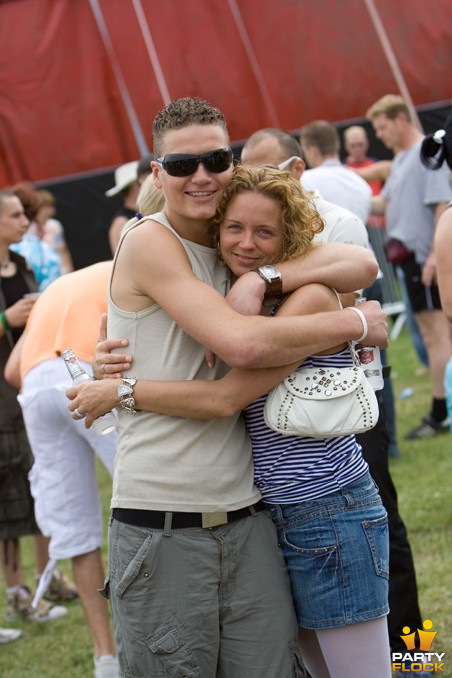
x: 320, y: 144
x: 272, y: 146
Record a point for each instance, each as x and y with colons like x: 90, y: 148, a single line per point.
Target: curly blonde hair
x: 300, y: 219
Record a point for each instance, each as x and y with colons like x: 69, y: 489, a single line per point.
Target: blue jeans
x: 337, y: 552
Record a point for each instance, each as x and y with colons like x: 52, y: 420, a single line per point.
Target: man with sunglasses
x: 198, y: 586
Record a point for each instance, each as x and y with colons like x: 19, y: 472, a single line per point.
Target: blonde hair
x: 390, y: 105
x: 300, y: 219
x: 150, y: 198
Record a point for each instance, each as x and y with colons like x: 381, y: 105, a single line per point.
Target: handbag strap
x: 351, y: 346
x: 338, y: 298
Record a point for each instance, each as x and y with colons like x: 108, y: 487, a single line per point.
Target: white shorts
x: 63, y: 478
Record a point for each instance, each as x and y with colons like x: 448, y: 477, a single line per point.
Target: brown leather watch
x: 273, y: 279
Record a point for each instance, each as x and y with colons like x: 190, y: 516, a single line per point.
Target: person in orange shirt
x: 63, y: 476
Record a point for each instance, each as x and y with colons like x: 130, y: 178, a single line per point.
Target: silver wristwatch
x: 125, y: 394
x: 273, y: 279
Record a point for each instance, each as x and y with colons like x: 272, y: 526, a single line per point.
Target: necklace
x: 6, y: 262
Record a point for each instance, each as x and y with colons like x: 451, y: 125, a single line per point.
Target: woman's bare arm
x: 202, y: 399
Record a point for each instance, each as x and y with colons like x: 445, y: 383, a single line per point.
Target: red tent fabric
x: 81, y: 80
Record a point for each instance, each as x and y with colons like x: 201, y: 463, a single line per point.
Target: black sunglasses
x: 184, y: 164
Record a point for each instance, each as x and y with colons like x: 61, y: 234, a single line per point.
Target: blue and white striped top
x: 291, y: 469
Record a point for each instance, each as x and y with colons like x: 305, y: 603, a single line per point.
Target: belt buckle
x: 214, y: 519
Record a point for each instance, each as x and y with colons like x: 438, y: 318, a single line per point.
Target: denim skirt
x: 337, y: 552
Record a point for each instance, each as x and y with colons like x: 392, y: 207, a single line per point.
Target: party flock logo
x: 418, y: 657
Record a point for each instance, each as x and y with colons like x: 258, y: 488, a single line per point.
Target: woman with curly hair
x: 331, y: 523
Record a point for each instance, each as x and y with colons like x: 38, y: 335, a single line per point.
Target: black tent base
x: 86, y: 212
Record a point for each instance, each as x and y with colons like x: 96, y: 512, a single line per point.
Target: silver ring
x: 78, y: 414
x: 103, y: 369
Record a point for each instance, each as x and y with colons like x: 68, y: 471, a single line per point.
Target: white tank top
x: 169, y: 463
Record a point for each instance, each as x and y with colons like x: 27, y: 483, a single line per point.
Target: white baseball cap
x: 124, y: 176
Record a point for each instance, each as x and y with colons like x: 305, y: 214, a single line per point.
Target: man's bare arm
x: 12, y: 367
x: 378, y: 171
x: 155, y: 267
x: 343, y: 266
x: 378, y: 205
x: 443, y: 248
x: 202, y: 399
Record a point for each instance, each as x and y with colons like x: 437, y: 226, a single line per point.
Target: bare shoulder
x: 150, y: 241
x: 150, y: 256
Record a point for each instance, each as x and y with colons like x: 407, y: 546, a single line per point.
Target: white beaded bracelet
x: 363, y: 320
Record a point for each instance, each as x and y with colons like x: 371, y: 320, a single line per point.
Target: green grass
x: 56, y: 649
x: 423, y: 478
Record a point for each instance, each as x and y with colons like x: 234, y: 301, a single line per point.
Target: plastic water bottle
x: 103, y: 424
x: 448, y: 389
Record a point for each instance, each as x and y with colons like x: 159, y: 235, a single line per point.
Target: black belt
x: 156, y: 519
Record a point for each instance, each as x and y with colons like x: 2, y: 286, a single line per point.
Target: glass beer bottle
x: 103, y: 424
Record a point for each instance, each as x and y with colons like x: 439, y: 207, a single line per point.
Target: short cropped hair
x: 287, y: 142
x: 182, y: 112
x: 300, y: 219
x: 390, y: 105
x: 323, y: 135
x: 144, y: 165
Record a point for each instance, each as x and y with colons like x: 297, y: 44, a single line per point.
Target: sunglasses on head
x: 286, y: 163
x: 184, y: 164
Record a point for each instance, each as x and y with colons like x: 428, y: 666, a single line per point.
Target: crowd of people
x: 233, y: 550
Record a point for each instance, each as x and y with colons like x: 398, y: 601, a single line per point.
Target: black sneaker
x: 429, y: 428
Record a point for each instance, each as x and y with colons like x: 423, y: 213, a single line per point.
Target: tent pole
x: 152, y: 52
x: 124, y: 91
x: 254, y: 63
x: 391, y: 58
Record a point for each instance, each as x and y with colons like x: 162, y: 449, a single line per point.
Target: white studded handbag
x: 323, y: 402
